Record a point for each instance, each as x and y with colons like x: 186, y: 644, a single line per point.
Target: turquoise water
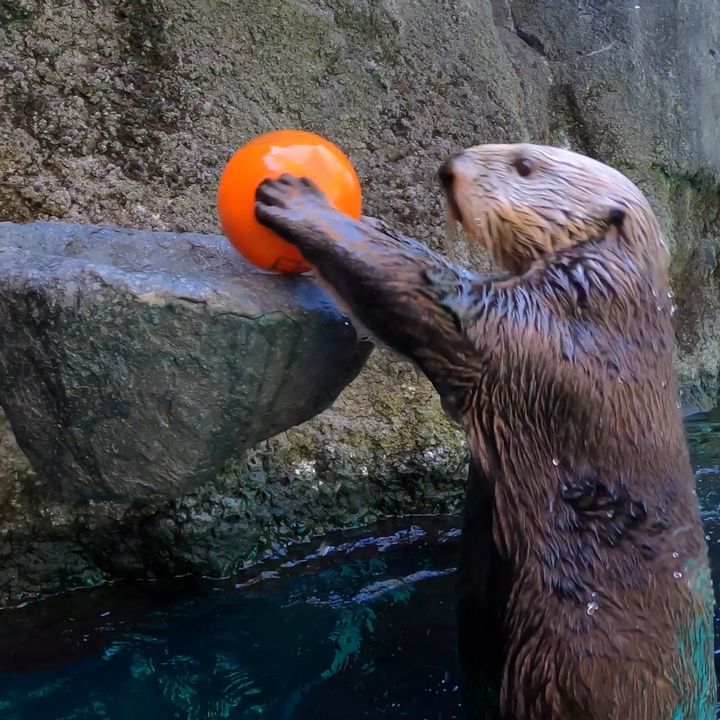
x: 358, y: 626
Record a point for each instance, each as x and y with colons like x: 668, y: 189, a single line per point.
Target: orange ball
x: 298, y: 153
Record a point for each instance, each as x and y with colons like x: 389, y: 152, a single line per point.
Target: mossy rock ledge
x: 135, y: 364
x: 126, y: 111
x: 158, y: 389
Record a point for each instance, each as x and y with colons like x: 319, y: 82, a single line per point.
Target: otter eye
x: 524, y: 166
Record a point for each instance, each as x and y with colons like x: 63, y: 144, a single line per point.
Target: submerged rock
x: 135, y: 364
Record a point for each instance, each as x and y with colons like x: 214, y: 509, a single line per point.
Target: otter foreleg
x: 407, y: 296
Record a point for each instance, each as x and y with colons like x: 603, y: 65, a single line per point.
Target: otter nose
x: 446, y: 173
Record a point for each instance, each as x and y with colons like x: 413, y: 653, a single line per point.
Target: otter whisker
x: 451, y: 223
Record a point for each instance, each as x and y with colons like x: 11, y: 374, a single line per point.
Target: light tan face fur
x: 523, y: 202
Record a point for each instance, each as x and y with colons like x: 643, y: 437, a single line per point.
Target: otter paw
x: 288, y: 205
x: 289, y: 193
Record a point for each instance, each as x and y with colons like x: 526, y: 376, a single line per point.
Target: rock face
x: 125, y: 111
x: 638, y: 86
x: 135, y: 364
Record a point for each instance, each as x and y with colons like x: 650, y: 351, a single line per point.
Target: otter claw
x: 270, y: 192
x: 291, y: 207
x: 299, y: 182
x: 266, y: 213
x: 289, y: 193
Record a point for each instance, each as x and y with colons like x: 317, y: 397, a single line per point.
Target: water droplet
x: 659, y: 307
x: 591, y: 608
x: 593, y: 594
x: 677, y: 574
x: 678, y: 404
x: 671, y: 294
x: 676, y: 554
x: 663, y: 383
x: 610, y: 513
x: 707, y: 537
x: 673, y: 309
x: 621, y: 381
x: 555, y: 462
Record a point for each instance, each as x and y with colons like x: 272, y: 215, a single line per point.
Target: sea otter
x: 585, y: 584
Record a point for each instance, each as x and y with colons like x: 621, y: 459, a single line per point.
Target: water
x: 359, y: 626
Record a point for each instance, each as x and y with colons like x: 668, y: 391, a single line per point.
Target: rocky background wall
x: 125, y: 111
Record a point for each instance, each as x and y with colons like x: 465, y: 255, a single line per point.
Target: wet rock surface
x: 135, y: 364
x: 125, y: 111
x: 291, y: 488
x: 637, y: 85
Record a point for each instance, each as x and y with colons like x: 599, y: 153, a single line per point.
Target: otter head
x: 525, y: 202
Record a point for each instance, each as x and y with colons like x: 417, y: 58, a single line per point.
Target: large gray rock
x: 135, y: 364
x: 125, y: 111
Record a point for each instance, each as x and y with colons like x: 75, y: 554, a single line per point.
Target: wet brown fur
x: 584, y: 561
